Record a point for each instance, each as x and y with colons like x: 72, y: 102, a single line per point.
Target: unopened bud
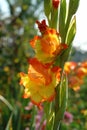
x: 55, y: 3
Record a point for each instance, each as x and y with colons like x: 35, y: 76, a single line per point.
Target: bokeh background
x: 17, y: 28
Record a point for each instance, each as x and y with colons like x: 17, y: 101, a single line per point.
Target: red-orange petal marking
x: 84, y: 64
x: 35, y: 76
x: 25, y: 96
x: 33, y: 41
x: 41, y: 68
x: 49, y: 44
x: 56, y: 69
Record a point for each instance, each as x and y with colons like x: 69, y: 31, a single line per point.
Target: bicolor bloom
x: 40, y: 82
x: 48, y: 45
x: 76, y: 73
x: 84, y: 64
x: 70, y: 66
x: 81, y: 72
x: 75, y: 82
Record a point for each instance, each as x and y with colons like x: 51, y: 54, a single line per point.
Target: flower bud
x: 55, y: 3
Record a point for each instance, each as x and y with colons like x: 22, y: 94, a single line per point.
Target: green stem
x: 49, y: 113
x: 57, y: 107
x: 60, y: 101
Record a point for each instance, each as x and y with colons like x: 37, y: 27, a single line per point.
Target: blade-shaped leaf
x: 64, y: 91
x: 54, y: 18
x: 6, y: 102
x: 49, y: 113
x: 9, y: 124
x: 47, y: 7
x: 71, y: 31
x: 63, y: 102
x: 62, y: 18
x: 73, y: 6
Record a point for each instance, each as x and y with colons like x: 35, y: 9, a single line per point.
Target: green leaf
x: 6, y: 102
x: 64, y: 91
x: 9, y: 124
x: 47, y: 7
x: 51, y: 13
x: 62, y: 103
x: 49, y: 115
x: 54, y: 18
x: 62, y: 18
x: 73, y: 6
x: 68, y: 40
x: 71, y: 31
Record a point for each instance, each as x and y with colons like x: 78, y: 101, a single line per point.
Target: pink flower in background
x: 29, y: 106
x: 39, y: 122
x: 68, y: 118
x: 27, y: 128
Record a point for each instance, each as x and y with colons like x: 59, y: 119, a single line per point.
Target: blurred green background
x: 15, y: 32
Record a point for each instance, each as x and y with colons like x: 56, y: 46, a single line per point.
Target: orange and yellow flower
x: 47, y: 46
x: 76, y: 73
x: 75, y: 82
x: 40, y: 82
x: 70, y: 66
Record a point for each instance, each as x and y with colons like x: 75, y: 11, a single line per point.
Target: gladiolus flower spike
x: 43, y: 77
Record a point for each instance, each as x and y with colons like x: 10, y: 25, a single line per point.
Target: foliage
x: 15, y: 33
